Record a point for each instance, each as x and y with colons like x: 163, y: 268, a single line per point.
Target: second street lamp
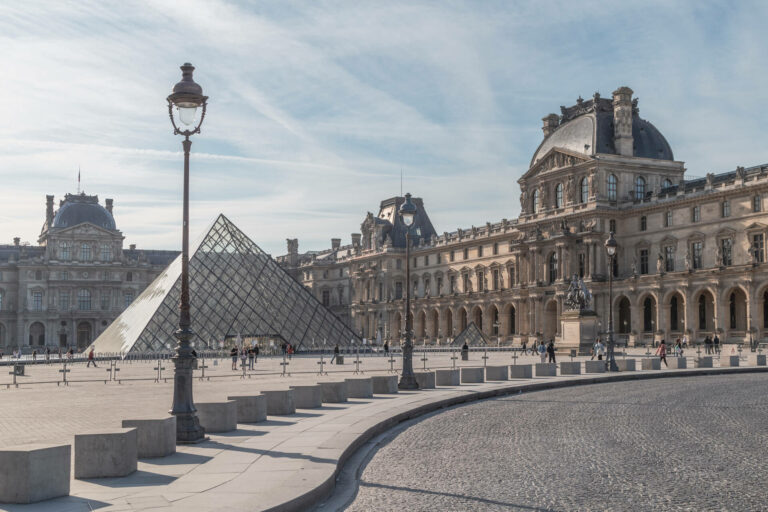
x: 610, y: 248
x: 408, y: 379
x: 187, y: 97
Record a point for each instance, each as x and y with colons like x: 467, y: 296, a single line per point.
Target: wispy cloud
x: 316, y: 106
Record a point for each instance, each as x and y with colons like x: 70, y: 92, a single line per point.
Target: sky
x: 316, y: 107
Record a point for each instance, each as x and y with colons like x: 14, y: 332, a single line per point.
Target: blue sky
x: 315, y: 107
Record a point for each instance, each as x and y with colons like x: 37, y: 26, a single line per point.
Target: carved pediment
x: 556, y: 158
x: 85, y: 229
x: 755, y: 226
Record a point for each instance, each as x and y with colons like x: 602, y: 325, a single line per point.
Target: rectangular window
x: 480, y: 251
x: 37, y: 301
x: 85, y: 252
x: 439, y: 285
x: 726, y: 246
x: 398, y: 264
x: 398, y: 290
x: 452, y: 285
x: 84, y: 300
x: 669, y: 258
x: 466, y: 253
x: 582, y: 264
x: 757, y: 204
x: 643, y: 223
x: 452, y: 255
x: 127, y: 299
x: 480, y: 281
x: 667, y: 219
x: 64, y: 251
x: 495, y: 279
x: 697, y: 249
x: 495, y: 249
x: 105, y: 296
x: 758, y: 247
x: 63, y: 301
x: 696, y: 214
x: 64, y: 275
x: 326, y: 298
x: 426, y: 260
x: 415, y: 262
x: 439, y: 258
x: 511, y: 272
x: 643, y: 261
x: 465, y: 282
x: 612, y: 224
x: 427, y: 288
x: 726, y: 208
x: 106, y: 252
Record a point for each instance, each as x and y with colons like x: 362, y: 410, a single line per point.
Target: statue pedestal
x: 579, y: 331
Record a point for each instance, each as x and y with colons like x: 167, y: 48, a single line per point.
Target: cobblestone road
x: 696, y: 444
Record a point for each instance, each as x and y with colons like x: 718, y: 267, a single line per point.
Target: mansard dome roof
x: 587, y: 128
x: 79, y: 209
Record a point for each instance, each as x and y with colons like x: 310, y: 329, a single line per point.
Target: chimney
x: 132, y: 247
x: 335, y: 243
x: 16, y: 241
x: 550, y: 124
x: 622, y: 121
x: 49, y: 211
x: 356, y: 239
x: 108, y: 205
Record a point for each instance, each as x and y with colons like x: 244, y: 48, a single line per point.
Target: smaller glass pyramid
x: 471, y: 335
x: 236, y: 290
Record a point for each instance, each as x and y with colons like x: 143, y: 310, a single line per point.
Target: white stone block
x: 496, y: 373
x: 472, y: 375
x: 520, y: 371
x: 626, y: 365
x: 570, y: 368
x: 594, y: 366
x: 729, y: 361
x: 155, y: 437
x: 546, y: 369
x: 279, y: 402
x: 34, y: 472
x: 677, y: 363
x: 448, y: 377
x: 217, y: 416
x: 651, y: 363
x: 308, y: 396
x: 359, y: 387
x: 703, y: 362
x: 756, y: 359
x: 384, y: 384
x: 426, y: 380
x: 334, y: 392
x: 250, y: 408
x: 106, y: 453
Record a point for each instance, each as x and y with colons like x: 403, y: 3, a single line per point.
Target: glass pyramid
x: 471, y: 335
x: 236, y: 290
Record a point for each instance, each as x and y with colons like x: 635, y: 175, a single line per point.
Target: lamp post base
x: 408, y: 382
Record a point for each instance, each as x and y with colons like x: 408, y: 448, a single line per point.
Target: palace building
x: 691, y: 255
x: 66, y: 290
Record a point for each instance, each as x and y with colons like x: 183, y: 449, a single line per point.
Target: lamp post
x: 610, y: 248
x: 408, y: 379
x: 187, y: 97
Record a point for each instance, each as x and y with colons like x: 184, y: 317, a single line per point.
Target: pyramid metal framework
x: 472, y: 335
x: 236, y: 289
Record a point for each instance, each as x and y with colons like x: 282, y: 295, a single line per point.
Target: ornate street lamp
x: 187, y: 97
x: 610, y: 248
x: 408, y: 379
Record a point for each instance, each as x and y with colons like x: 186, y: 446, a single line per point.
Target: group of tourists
x: 249, y: 354
x: 712, y: 345
x: 544, y: 350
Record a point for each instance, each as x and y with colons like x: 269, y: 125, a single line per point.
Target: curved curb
x: 325, y: 489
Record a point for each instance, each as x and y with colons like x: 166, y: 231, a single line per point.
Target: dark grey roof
x: 155, y: 257
x: 79, y: 209
x: 30, y: 251
x: 420, y: 231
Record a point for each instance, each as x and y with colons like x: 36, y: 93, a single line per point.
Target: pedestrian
x: 47, y: 354
x: 707, y: 345
x: 523, y: 346
x: 542, y: 352
x: 34, y: 355
x: 551, y: 351
x: 91, y: 360
x: 70, y: 354
x: 59, y: 353
x: 386, y: 348
x: 243, y: 357
x: 284, y: 347
x: 251, y: 355
x: 256, y: 353
x: 599, y: 349
x: 335, y: 353
x: 289, y: 350
x: 233, y: 355
x: 678, y: 348
x: 716, y: 343
x: 662, y: 353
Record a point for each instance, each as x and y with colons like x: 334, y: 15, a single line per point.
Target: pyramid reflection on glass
x: 235, y: 290
x: 471, y: 335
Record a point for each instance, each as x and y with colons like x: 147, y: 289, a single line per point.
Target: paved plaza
x: 693, y: 444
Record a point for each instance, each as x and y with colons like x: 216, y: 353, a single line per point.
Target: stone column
x: 588, y: 262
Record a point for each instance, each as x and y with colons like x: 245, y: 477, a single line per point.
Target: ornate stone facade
x: 691, y: 256
x: 65, y: 291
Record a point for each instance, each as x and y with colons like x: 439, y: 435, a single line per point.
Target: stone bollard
x: 250, y: 408
x: 106, y: 453
x: 334, y: 392
x: 155, y: 437
x: 426, y: 380
x: 756, y: 360
x: 465, y: 355
x: 729, y: 361
x: 520, y: 371
x: 496, y: 373
x: 625, y: 365
x: 677, y: 363
x: 651, y: 363
x: 570, y: 368
x: 217, y: 416
x: 279, y: 402
x: 308, y: 396
x: 594, y: 366
x: 703, y: 362
x: 472, y: 375
x: 359, y: 387
x: 339, y: 359
x: 447, y: 377
x: 384, y: 384
x: 34, y: 472
x: 546, y: 369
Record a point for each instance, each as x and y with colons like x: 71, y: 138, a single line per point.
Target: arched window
x: 639, y: 187
x: 553, y: 267
x: 559, y: 195
x: 612, y: 183
x: 583, y: 190
x: 673, y: 316
x: 535, y: 208
x: 702, y: 312
x: 648, y: 315
x: 511, y: 320
x: 666, y: 183
x: 84, y: 300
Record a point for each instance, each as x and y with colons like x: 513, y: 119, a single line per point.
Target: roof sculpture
x: 235, y: 288
x: 471, y: 335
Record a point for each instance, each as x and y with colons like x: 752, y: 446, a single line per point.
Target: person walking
x: 386, y: 348
x: 47, y: 354
x: 685, y: 340
x: 256, y: 353
x: 335, y: 353
x: 251, y: 355
x: 716, y: 344
x: 678, y: 349
x: 542, y: 352
x: 290, y: 351
x: 707, y: 345
x: 599, y: 349
x: 523, y: 346
x: 233, y: 355
x: 34, y: 355
x: 662, y: 353
x: 91, y: 360
x: 551, y: 351
x: 243, y: 357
